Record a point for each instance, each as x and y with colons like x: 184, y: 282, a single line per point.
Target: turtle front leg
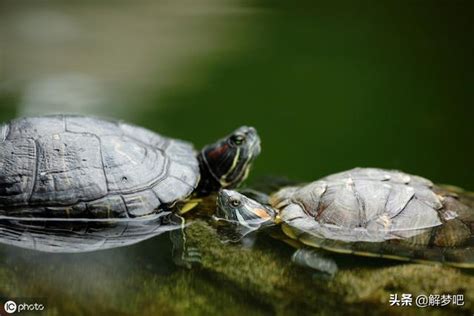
x: 316, y: 260
x: 183, y: 252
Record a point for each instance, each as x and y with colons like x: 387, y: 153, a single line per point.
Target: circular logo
x: 10, y: 307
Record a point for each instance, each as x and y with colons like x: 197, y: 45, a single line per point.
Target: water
x: 328, y: 87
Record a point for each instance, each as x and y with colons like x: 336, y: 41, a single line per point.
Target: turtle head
x: 226, y: 163
x: 242, y: 211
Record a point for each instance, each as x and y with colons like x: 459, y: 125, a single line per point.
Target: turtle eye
x: 235, y: 203
x: 237, y: 139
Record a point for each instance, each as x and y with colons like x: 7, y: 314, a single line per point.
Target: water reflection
x: 81, y: 235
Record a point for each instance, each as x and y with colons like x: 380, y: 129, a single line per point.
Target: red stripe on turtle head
x: 218, y: 152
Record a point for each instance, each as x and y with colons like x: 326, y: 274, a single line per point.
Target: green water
x: 328, y: 87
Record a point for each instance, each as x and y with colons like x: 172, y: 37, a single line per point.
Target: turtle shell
x: 84, y: 167
x: 381, y: 213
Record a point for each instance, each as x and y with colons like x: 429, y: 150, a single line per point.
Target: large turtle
x: 76, y: 183
x: 363, y: 211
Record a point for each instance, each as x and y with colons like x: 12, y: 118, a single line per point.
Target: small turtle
x: 64, y: 169
x: 363, y: 211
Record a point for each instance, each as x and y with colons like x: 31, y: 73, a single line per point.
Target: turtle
x: 363, y: 211
x: 71, y: 183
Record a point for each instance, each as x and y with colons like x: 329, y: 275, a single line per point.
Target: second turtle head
x: 236, y: 208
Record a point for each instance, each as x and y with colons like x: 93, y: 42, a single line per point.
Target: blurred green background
x: 329, y: 85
